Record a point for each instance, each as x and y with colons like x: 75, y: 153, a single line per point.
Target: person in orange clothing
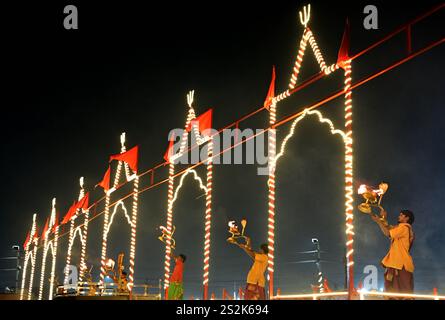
x: 176, y: 289
x: 255, y: 278
x: 398, y: 262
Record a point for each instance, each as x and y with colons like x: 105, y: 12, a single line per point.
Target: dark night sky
x: 69, y: 94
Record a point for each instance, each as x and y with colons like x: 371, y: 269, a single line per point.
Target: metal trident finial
x: 123, y: 138
x: 190, y: 98
x: 305, y: 17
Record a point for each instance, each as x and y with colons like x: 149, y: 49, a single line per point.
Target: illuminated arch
x: 323, y: 121
x: 347, y: 135
x: 208, y: 189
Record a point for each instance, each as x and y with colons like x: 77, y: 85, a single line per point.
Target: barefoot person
x: 255, y: 278
x: 398, y: 262
x: 176, y: 289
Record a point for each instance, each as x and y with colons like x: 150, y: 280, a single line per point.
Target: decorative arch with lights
x: 345, y: 64
x: 173, y: 193
x: 130, y: 175
x: 31, y: 246
x: 80, y: 231
x: 51, y: 228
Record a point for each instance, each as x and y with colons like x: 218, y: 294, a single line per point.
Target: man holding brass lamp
x: 398, y: 262
x: 256, y: 281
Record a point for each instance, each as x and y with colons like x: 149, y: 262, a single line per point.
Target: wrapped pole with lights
x: 349, y: 179
x: 31, y: 246
x: 47, y: 246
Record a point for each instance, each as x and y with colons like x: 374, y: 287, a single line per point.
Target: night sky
x: 67, y: 96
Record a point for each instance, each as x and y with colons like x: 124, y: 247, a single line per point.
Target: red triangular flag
x: 169, y: 151
x: 45, y: 229
x: 204, y: 121
x: 71, y: 212
x: 26, y: 241
x: 271, y: 92
x: 130, y: 157
x: 83, y: 203
x: 343, y: 52
x: 105, y: 183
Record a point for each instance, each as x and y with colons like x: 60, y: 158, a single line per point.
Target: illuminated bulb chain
x: 104, y: 239
x: 299, y: 59
x: 308, y: 36
x: 191, y: 115
x: 127, y: 171
x: 124, y: 149
x: 33, y: 266
x: 195, y: 176
x: 119, y: 203
x: 25, y: 267
x: 349, y: 177
x: 320, y: 282
x: 72, y: 237
x: 208, y: 214
x: 133, y: 232
x: 171, y: 181
x: 49, y: 245
x: 53, y: 268
x: 301, y: 117
x: 77, y: 232
x: 118, y: 174
x: 316, y: 51
x: 45, y: 251
x: 271, y: 186
x: 282, y: 96
x: 29, y: 255
x: 83, y: 265
x: 68, y: 256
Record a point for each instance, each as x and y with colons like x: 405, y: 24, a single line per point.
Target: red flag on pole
x: 83, y: 203
x: 343, y: 52
x: 45, y: 229
x: 169, y: 151
x: 105, y: 183
x: 26, y: 241
x: 204, y: 121
x: 71, y: 212
x: 130, y: 157
x: 271, y: 92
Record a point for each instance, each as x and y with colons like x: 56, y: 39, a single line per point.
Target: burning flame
x: 362, y: 189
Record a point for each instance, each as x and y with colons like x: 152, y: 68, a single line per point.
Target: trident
x: 304, y: 18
